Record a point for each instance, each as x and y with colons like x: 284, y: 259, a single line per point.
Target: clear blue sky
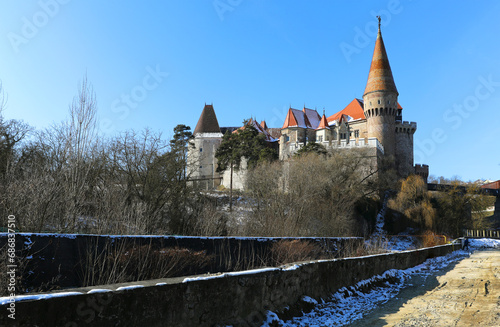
x: 155, y: 64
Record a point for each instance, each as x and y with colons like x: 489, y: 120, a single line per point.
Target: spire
x: 263, y: 124
x: 380, y: 76
x: 208, y: 121
x: 323, y: 124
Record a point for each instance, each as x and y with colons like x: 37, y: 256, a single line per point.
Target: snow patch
x: 99, y: 290
x: 229, y: 274
x: 350, y: 304
x: 484, y: 243
x: 19, y: 298
x: 130, y: 287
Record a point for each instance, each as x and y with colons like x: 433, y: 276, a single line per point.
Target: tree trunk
x: 231, y: 190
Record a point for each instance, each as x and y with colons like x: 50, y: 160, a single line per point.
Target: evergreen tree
x: 311, y: 147
x: 179, y: 145
x: 246, y: 143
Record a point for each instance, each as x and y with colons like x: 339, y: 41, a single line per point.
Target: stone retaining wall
x: 56, y: 259
x: 239, y: 299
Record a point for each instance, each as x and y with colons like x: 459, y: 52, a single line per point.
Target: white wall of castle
x: 239, y: 176
x: 201, y: 158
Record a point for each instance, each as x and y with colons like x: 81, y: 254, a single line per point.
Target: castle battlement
x: 374, y: 122
x: 405, y: 127
x: 371, y: 142
x: 422, y: 171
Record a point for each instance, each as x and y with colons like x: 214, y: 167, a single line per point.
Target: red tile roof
x: 380, y: 76
x: 492, y: 185
x: 263, y: 124
x: 306, y: 118
x: 323, y: 124
x: 353, y: 110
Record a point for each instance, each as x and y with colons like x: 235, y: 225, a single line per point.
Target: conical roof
x: 263, y: 124
x: 380, y: 76
x: 323, y: 123
x: 208, y: 121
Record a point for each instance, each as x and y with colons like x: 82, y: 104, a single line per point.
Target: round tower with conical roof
x: 202, y: 164
x: 381, y: 99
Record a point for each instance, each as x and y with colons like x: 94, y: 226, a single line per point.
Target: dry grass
x: 288, y: 251
x: 119, y: 263
x: 430, y: 239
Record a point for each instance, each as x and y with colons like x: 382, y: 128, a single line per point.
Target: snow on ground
x: 351, y: 303
x: 484, y: 243
x: 380, y: 239
x: 402, y: 242
x: 379, y: 232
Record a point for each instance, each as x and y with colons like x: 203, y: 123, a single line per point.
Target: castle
x: 375, y: 122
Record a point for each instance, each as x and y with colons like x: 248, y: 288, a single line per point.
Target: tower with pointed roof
x: 201, y: 157
x: 374, y: 122
x: 381, y: 98
x: 383, y: 113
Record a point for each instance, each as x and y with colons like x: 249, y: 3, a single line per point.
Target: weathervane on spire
x: 378, y: 17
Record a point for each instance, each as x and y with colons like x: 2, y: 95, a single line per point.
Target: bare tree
x: 318, y: 198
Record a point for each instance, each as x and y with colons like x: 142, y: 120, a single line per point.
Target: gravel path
x: 467, y: 293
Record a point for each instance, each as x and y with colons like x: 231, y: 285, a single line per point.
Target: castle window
x: 356, y: 133
x: 370, y: 103
x: 201, y: 149
x: 320, y: 138
x: 201, y: 167
x: 378, y: 101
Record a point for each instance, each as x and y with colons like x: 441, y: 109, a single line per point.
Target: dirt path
x: 468, y: 294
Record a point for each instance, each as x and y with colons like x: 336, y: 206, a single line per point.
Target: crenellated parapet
x: 371, y: 142
x: 405, y: 127
x: 422, y: 171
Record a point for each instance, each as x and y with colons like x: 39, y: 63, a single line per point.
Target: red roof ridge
x: 354, y: 109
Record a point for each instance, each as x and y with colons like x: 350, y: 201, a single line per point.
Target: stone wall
x: 239, y: 176
x: 58, y: 259
x: 202, y: 164
x: 238, y: 299
x: 404, y: 147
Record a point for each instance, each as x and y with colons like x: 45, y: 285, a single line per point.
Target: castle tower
x: 381, y: 99
x: 323, y: 133
x: 201, y: 157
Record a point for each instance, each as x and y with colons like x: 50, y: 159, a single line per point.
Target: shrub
x: 119, y: 263
x: 285, y: 251
x: 430, y: 239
